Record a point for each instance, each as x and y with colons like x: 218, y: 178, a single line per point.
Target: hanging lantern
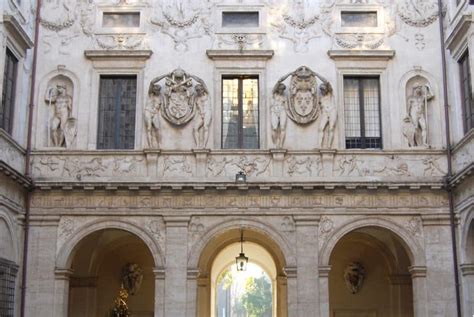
x: 241, y: 261
x: 240, y: 178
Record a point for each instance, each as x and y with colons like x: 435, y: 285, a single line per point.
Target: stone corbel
x: 327, y: 159
x: 467, y: 269
x: 278, y: 159
x: 63, y: 274
x: 201, y: 161
x: 152, y: 162
x: 417, y: 271
x: 290, y: 271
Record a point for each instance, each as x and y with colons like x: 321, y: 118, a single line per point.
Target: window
x: 466, y: 90
x: 121, y: 20
x: 117, y: 103
x: 240, y: 19
x: 240, y: 128
x: 358, y: 19
x: 8, y: 91
x: 362, y: 112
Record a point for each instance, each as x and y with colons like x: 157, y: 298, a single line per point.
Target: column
x: 307, y: 264
x: 191, y: 292
x: 292, y: 291
x: 420, y: 300
x: 61, y: 291
x: 467, y: 271
x: 176, y: 265
x: 324, y: 290
x: 159, y: 291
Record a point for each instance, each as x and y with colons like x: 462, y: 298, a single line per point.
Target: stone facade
x: 315, y: 204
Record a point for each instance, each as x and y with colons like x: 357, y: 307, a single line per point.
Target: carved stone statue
x: 328, y: 115
x: 204, y: 117
x: 63, y: 125
x: 278, y: 114
x: 132, y: 277
x: 415, y: 127
x: 303, y: 106
x: 354, y: 275
x: 151, y: 115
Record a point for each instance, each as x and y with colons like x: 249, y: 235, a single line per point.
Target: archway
x: 370, y: 275
x: 99, y: 262
x: 266, y: 260
x: 467, y: 265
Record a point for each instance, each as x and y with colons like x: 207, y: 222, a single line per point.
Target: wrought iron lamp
x: 241, y: 261
x: 240, y: 178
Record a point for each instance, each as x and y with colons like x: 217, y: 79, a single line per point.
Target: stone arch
x: 10, y: 232
x: 73, y: 87
x: 66, y: 251
x: 226, y: 225
x: 226, y: 233
x: 412, y: 247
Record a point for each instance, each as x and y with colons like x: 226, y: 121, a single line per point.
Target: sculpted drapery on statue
x: 180, y: 97
x: 62, y: 125
x: 304, y: 103
x: 415, y: 125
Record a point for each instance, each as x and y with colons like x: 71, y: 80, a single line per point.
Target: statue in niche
x: 278, y: 114
x: 151, y: 114
x: 204, y: 117
x: 132, y: 278
x: 354, y: 275
x: 415, y: 127
x: 63, y: 126
x: 328, y: 115
x: 303, y: 100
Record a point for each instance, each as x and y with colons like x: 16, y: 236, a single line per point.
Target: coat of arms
x: 354, y: 275
x: 303, y: 98
x: 178, y: 95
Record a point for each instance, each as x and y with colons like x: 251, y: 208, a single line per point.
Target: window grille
x: 117, y: 103
x: 8, y: 91
x: 8, y: 272
x: 466, y: 90
x: 362, y: 112
x: 240, y: 116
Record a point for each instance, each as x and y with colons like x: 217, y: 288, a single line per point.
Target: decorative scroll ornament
x: 354, y: 275
x: 183, y: 20
x: 418, y: 14
x: 58, y: 15
x: 303, y: 97
x: 180, y: 94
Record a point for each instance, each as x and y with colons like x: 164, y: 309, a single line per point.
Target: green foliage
x: 257, y: 299
x: 226, y: 278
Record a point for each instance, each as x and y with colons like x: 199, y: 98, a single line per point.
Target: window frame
x: 363, y: 139
x: 11, y: 106
x: 466, y: 108
x: 241, y: 78
x: 116, y: 133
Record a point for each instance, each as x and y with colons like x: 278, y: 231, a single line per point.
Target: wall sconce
x: 240, y: 178
x: 241, y: 261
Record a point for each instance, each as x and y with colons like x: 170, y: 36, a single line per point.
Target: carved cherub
x: 204, y: 113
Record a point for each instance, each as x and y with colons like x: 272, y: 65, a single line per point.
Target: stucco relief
x: 326, y: 226
x: 80, y: 167
x: 121, y: 41
x: 288, y: 224
x: 229, y: 166
x: 415, y: 226
x: 240, y: 41
x: 297, y: 22
x: 58, y: 15
x: 303, y: 166
x: 183, y: 20
x: 157, y: 228
x: 176, y: 166
x: 11, y: 155
x: 418, y: 13
x: 358, y: 37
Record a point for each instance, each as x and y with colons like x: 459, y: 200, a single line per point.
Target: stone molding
x: 18, y: 34
x: 381, y: 55
x: 140, y: 55
x: 159, y: 273
x: 324, y: 270
x: 291, y: 272
x: 63, y: 274
x: 467, y: 269
x: 240, y: 54
x: 417, y: 271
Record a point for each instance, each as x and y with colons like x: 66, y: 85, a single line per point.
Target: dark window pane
x: 466, y: 90
x: 240, y: 114
x: 358, y: 19
x: 8, y: 272
x: 240, y: 19
x: 8, y: 91
x: 117, y: 103
x: 362, y: 113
